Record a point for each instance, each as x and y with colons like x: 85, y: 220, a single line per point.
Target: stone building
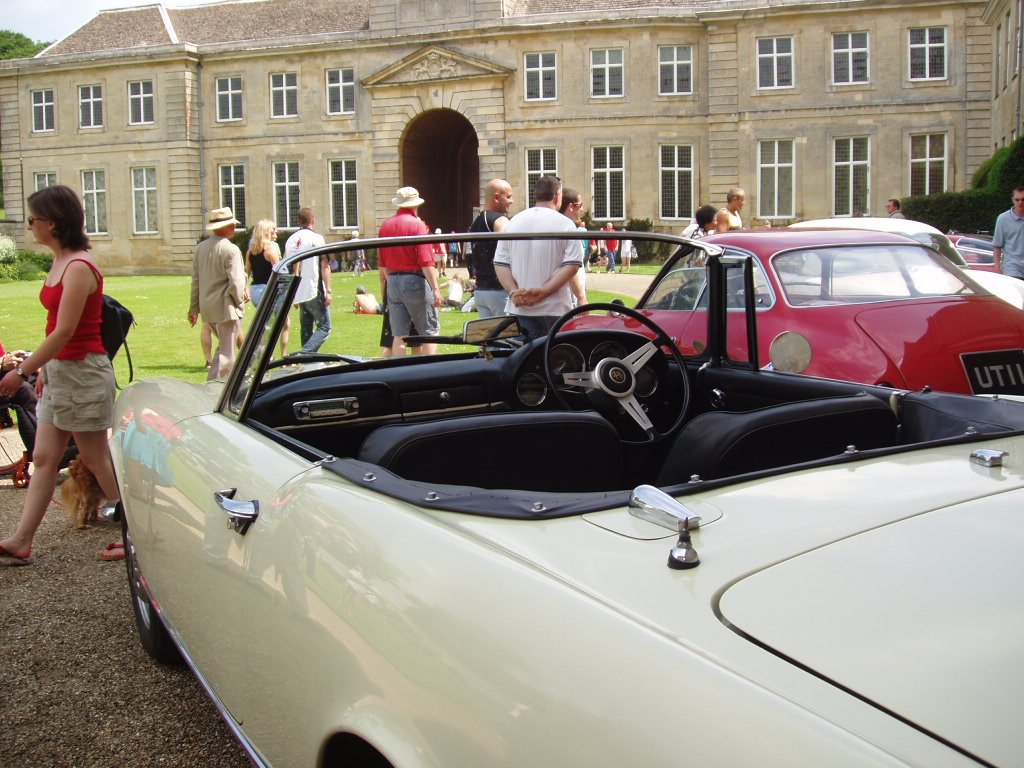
x: 815, y: 107
x: 1003, y: 18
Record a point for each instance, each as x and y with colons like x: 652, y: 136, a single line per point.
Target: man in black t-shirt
x: 489, y: 295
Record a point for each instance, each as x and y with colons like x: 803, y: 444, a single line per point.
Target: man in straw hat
x: 409, y: 277
x: 218, y: 289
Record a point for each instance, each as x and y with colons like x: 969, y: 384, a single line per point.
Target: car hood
x: 926, y: 345
x: 922, y: 617
x: 909, y: 601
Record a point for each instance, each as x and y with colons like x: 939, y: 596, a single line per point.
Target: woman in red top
x: 76, y: 381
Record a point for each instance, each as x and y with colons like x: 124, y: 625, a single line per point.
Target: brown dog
x: 81, y: 494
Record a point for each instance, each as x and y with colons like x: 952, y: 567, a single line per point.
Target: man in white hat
x: 218, y: 289
x: 409, y: 277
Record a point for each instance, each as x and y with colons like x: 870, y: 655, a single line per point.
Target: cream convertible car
x: 581, y: 551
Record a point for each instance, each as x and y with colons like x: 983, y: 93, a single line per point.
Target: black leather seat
x: 557, y: 452
x: 724, y: 443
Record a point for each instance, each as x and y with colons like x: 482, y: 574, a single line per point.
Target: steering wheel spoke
x: 582, y: 379
x: 637, y: 360
x: 632, y: 406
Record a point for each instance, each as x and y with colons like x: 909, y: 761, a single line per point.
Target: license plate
x: 991, y: 373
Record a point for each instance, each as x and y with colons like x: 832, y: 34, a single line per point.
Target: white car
x: 585, y: 550
x: 1009, y: 289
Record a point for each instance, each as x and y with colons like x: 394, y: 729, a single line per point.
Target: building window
x: 341, y: 91
x: 140, y: 102
x: 927, y: 163
x: 849, y: 58
x: 541, y: 76
x: 344, y: 194
x: 852, y: 172
x: 928, y: 53
x: 542, y: 161
x: 676, y: 181
x: 284, y: 94
x: 675, y: 70
x: 94, y: 197
x: 90, y: 106
x: 606, y: 65
x: 775, y: 62
x: 609, y: 183
x: 286, y: 194
x: 43, y: 117
x: 44, y: 180
x: 232, y: 189
x: 144, y: 200
x: 229, y: 98
x: 776, y: 173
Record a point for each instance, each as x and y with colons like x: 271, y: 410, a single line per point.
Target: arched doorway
x: 440, y: 158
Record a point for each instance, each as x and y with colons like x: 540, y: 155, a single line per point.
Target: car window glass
x: 864, y: 274
x: 679, y: 289
x: 267, y: 340
x: 737, y: 348
x: 942, y: 244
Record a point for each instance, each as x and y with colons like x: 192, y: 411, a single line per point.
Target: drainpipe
x: 1020, y: 70
x: 202, y: 143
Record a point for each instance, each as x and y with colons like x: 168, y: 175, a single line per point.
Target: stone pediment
x: 434, y: 63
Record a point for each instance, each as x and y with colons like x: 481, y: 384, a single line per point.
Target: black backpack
x: 117, y: 321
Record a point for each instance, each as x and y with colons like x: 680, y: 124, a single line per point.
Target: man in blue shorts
x: 408, y: 273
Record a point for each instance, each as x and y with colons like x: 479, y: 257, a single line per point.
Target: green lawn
x: 163, y: 344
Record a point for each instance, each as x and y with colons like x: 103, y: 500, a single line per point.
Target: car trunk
x: 921, y: 618
x: 928, y: 348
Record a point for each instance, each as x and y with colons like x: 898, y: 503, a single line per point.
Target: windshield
x: 863, y: 274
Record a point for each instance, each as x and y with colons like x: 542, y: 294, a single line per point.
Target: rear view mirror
x: 491, y: 329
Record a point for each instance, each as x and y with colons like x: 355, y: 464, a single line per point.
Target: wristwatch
x: 18, y: 370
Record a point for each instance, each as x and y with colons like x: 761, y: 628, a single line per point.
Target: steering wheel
x: 616, y: 378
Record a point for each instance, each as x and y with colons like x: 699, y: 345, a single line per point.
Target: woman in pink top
x: 75, y: 386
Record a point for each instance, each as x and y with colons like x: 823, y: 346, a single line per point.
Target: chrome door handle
x: 241, y: 514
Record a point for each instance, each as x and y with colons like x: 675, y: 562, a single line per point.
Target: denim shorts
x: 411, y: 303
x: 78, y: 395
x: 256, y: 291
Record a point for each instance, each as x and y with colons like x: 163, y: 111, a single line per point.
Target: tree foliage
x: 14, y: 45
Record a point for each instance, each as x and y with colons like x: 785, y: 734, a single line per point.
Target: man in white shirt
x: 313, y: 296
x: 540, y: 275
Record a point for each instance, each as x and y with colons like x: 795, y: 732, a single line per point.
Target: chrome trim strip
x: 226, y: 716
x: 400, y: 416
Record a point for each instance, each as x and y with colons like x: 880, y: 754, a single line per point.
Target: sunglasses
x: 33, y: 219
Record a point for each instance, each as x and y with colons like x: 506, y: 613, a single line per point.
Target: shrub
x: 25, y: 265
x: 8, y: 250
x: 649, y: 251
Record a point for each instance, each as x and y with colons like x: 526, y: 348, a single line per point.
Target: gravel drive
x: 76, y: 687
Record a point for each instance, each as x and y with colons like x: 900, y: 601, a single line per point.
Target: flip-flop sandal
x: 11, y: 560
x: 115, y: 545
x: 114, y: 553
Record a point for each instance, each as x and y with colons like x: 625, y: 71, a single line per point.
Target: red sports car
x: 862, y: 306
